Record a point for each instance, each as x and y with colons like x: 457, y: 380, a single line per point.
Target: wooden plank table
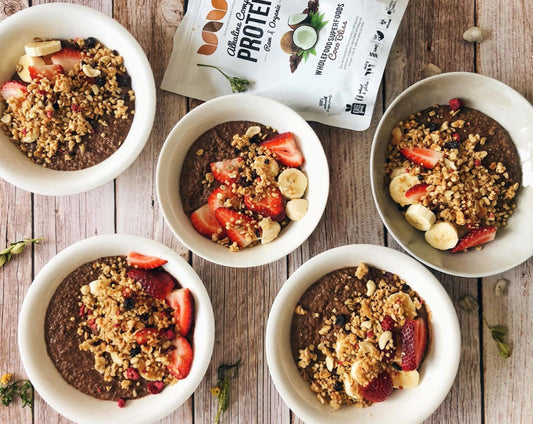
x: 488, y: 389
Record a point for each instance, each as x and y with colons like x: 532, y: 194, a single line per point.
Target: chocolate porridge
x: 99, y: 351
x: 73, y: 108
x: 347, y: 331
x: 212, y: 146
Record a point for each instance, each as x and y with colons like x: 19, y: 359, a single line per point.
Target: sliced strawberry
x: 144, y: 261
x: 414, y: 342
x: 45, y: 71
x: 416, y: 192
x: 155, y: 283
x: 456, y: 103
x: 428, y: 158
x: 270, y: 205
x: 180, y: 358
x: 219, y: 196
x: 13, y: 89
x: 144, y: 335
x: 226, y: 171
x: 182, y: 302
x: 285, y: 149
x: 239, y: 227
x: 379, y: 389
x: 205, y: 222
x: 475, y: 237
x: 67, y: 58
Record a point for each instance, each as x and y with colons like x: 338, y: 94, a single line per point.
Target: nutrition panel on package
x: 324, y: 59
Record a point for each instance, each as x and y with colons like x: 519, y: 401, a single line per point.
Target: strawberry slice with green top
x: 227, y: 171
x: 182, y: 302
x: 180, y: 359
x: 49, y: 72
x: 13, y: 89
x: 428, y: 158
x: 240, y: 228
x: 205, y: 222
x: 285, y: 149
x: 144, y: 261
x: 155, y: 283
x: 219, y: 197
x: 379, y: 389
x: 414, y: 342
x: 67, y: 58
x: 475, y: 237
x: 416, y: 192
x: 271, y: 204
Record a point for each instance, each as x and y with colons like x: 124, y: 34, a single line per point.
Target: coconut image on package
x: 324, y: 59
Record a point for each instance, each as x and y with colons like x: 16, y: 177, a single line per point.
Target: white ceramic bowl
x: 437, y: 372
x: 241, y: 107
x: 60, y: 20
x: 512, y: 245
x: 64, y: 398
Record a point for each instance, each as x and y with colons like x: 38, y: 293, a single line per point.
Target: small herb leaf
x: 15, y: 249
x: 238, y: 85
x: 498, y: 332
x: 225, y: 374
x: 21, y: 388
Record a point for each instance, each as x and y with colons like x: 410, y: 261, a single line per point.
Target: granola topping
x: 344, y: 337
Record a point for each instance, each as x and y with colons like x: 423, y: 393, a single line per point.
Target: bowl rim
x: 446, y: 329
x: 375, y: 185
x: 78, y: 406
x: 247, y: 257
x: 80, y: 181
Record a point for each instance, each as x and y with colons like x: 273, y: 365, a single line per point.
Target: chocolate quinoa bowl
x: 115, y: 349
x: 474, y: 135
x: 70, y: 79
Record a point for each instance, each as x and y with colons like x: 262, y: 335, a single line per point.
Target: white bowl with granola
x: 77, y: 99
x: 242, y: 180
x: 116, y: 328
x: 451, y: 174
x: 384, y: 348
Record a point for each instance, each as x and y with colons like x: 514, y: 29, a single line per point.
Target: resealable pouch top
x: 324, y: 59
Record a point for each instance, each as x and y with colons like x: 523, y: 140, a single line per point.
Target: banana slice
x: 420, y: 217
x: 398, y: 171
x: 405, y: 379
x: 351, y: 388
x: 42, y: 48
x: 442, y: 235
x: 292, y: 183
x: 24, y: 63
x: 270, y: 230
x: 266, y: 165
x: 296, y: 209
x: 404, y: 301
x: 399, y: 186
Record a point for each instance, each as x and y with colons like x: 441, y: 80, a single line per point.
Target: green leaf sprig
x: 498, y: 332
x: 15, y: 249
x: 238, y: 85
x: 226, y: 373
x: 21, y: 388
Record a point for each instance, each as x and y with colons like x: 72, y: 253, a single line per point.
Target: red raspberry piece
x: 387, y: 324
x: 155, y: 387
x: 121, y: 402
x: 132, y: 374
x: 456, y: 137
x: 456, y: 103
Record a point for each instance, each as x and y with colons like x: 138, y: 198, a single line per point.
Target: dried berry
x: 456, y: 104
x: 121, y: 402
x: 129, y: 303
x: 339, y: 387
x: 90, y: 42
x: 452, y: 145
x: 340, y: 319
x: 134, y: 351
x: 123, y: 80
x: 433, y: 126
x: 99, y: 81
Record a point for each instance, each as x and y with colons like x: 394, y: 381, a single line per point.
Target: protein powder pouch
x: 323, y: 59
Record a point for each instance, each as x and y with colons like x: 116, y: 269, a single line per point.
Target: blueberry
x: 129, y: 303
x: 123, y: 80
x: 339, y: 387
x: 99, y: 81
x: 134, y: 351
x: 90, y: 42
x: 452, y: 145
x: 341, y: 319
x: 433, y: 126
